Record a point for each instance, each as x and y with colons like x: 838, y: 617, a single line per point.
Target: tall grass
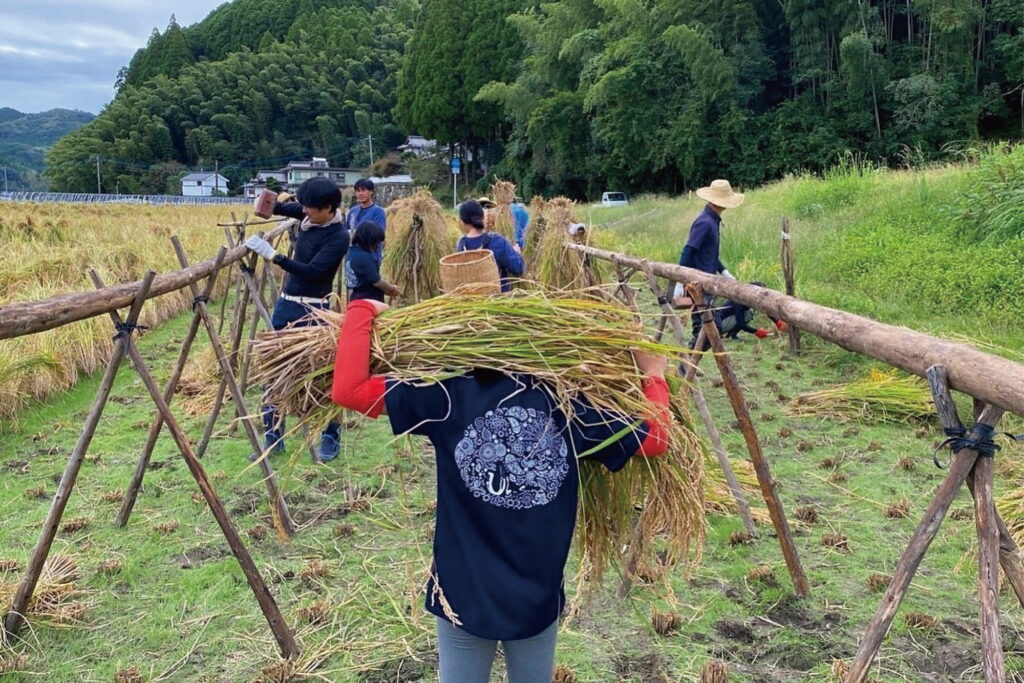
x: 47, y: 250
x: 909, y: 248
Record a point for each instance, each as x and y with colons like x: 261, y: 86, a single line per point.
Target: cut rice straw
x: 881, y: 396
x: 417, y: 239
x: 576, y: 348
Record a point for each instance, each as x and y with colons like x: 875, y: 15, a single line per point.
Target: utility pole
x: 98, y: 190
x: 5, y: 179
x: 370, y: 138
x: 216, y: 176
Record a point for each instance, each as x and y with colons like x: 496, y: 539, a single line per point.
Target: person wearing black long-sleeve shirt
x: 321, y: 243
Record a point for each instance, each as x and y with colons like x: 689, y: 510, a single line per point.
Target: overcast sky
x: 66, y: 53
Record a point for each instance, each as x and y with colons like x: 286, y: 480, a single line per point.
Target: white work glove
x: 577, y: 228
x: 726, y: 273
x: 261, y: 247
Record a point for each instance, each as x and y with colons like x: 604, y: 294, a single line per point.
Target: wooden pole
x: 912, y: 555
x: 285, y: 640
x: 128, y: 502
x: 1010, y: 557
x: 278, y: 507
x: 988, y: 377
x: 988, y: 572
x: 16, y: 614
x: 764, y: 474
x: 788, y: 277
x: 705, y: 414
x: 29, y: 317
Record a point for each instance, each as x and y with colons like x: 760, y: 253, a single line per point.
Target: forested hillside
x: 24, y: 139
x: 566, y: 97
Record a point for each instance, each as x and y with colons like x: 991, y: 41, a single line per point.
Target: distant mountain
x: 25, y: 138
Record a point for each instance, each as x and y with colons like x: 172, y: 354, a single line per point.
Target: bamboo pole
x: 990, y: 378
x: 1010, y: 557
x: 285, y: 640
x: 912, y: 555
x: 16, y: 614
x: 705, y: 414
x: 761, y: 468
x: 128, y: 502
x: 788, y: 277
x: 278, y: 507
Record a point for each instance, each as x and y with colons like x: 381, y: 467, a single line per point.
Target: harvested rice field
x: 163, y: 599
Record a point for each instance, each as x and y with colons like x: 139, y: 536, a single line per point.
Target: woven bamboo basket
x: 471, y: 272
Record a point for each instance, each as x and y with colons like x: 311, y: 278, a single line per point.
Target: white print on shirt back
x: 513, y: 458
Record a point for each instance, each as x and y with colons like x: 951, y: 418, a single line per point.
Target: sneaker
x: 329, y: 448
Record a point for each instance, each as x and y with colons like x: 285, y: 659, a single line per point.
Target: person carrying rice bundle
x: 508, y: 485
x: 506, y: 254
x: 362, y: 277
x: 320, y: 247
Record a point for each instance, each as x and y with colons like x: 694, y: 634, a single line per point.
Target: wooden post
x: 912, y: 555
x: 253, y: 327
x: 16, y: 615
x: 787, y: 274
x: 417, y: 237
x: 241, y: 303
x: 1010, y: 556
x: 764, y: 474
x: 285, y: 640
x: 988, y: 572
x: 705, y: 414
x: 279, y: 510
x: 128, y: 502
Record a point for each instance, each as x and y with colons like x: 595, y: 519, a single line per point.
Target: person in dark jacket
x: 506, y: 255
x: 733, y: 318
x: 320, y: 245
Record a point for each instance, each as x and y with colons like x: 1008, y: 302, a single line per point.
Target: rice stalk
x: 504, y: 192
x: 881, y: 396
x: 534, y: 233
x: 56, y: 601
x: 417, y: 239
x: 557, y: 266
x: 196, y: 392
x: 577, y: 349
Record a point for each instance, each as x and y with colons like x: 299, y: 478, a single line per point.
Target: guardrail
x: 93, y: 198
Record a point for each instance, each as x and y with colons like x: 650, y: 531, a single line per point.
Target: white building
x: 203, y: 185
x: 293, y: 175
x: 418, y: 145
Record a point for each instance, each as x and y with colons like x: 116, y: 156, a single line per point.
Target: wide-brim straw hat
x: 720, y: 193
x: 486, y: 202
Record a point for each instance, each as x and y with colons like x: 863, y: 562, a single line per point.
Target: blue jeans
x: 465, y: 658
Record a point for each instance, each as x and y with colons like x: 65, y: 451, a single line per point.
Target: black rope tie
x: 247, y: 269
x: 200, y: 299
x: 126, y: 329
x: 662, y: 301
x: 957, y: 440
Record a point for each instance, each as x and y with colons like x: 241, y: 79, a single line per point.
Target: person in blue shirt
x: 362, y: 211
x: 320, y: 246
x: 521, y: 218
x: 364, y: 259
x: 507, y: 492
x: 701, y: 251
x: 508, y: 256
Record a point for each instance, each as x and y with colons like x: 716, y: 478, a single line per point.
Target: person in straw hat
x: 507, y: 493
x: 702, y: 245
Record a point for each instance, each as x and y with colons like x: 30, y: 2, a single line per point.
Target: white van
x: 614, y: 199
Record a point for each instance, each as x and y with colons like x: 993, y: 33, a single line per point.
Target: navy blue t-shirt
x: 362, y: 271
x: 507, y: 490
x: 704, y: 238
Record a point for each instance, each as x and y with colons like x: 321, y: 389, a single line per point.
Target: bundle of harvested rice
x: 578, y: 348
x: 417, y: 239
x: 504, y: 193
x: 56, y: 600
x: 881, y: 396
x: 534, y: 232
x: 556, y: 265
x: 197, y: 389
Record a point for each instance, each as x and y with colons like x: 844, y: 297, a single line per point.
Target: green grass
x: 181, y: 609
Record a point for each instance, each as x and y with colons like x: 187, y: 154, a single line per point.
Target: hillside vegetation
x: 24, y: 139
